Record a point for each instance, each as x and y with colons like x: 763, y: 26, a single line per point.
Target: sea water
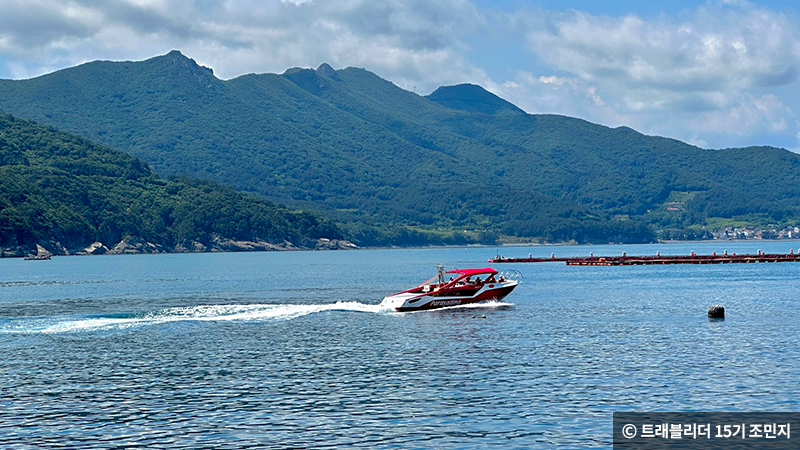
x: 292, y: 349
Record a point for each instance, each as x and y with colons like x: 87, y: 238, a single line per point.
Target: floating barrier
x: 626, y: 260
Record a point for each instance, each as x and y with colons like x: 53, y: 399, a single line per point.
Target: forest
x: 60, y: 188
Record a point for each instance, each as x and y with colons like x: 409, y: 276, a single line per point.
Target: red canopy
x: 471, y: 272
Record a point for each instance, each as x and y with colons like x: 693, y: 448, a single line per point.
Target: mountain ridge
x: 382, y: 160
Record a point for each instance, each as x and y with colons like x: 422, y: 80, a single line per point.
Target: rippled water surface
x: 292, y: 350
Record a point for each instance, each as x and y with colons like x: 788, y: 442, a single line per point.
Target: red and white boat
x: 463, y: 287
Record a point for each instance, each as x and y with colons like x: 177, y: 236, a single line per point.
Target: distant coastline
x: 132, y: 245
x: 135, y: 246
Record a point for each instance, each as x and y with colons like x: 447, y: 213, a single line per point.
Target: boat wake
x: 202, y: 313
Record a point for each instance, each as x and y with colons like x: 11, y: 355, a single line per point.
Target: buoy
x: 716, y: 312
x: 483, y: 316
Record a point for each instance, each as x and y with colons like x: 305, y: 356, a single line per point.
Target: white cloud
x: 747, y: 115
x: 731, y: 47
x: 707, y: 71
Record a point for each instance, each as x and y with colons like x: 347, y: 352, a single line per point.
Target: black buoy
x: 716, y: 312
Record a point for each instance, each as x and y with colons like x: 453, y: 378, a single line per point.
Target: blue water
x: 291, y: 350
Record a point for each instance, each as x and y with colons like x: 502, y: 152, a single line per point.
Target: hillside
x: 65, y: 193
x: 388, y: 163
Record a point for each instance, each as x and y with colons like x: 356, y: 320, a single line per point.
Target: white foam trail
x: 204, y: 313
x: 208, y: 313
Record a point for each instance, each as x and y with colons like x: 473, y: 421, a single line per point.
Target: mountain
x: 65, y: 193
x: 395, y: 168
x: 471, y: 98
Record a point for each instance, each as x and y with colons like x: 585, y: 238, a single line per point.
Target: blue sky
x: 714, y: 73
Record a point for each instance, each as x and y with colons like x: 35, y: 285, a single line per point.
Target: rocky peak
x: 328, y: 71
x: 178, y: 64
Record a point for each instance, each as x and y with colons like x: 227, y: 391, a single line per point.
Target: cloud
x: 747, y: 115
x: 709, y: 70
x: 569, y: 96
x: 712, y: 47
x: 26, y: 25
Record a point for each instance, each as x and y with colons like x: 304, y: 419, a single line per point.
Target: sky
x: 713, y: 73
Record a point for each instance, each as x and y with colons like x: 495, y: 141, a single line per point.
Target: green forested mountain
x: 60, y: 188
x: 388, y: 163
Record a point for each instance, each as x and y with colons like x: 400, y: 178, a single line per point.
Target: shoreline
x: 135, y: 246
x: 131, y: 245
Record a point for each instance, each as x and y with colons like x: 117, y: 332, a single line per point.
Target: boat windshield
x: 434, y: 280
x: 454, y: 276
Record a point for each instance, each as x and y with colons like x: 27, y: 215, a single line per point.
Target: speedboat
x: 455, y: 287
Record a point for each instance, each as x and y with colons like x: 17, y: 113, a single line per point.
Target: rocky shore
x: 132, y: 245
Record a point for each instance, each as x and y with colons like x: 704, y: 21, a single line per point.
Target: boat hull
x: 404, y: 302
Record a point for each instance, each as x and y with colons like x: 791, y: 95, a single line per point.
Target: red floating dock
x: 625, y: 260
